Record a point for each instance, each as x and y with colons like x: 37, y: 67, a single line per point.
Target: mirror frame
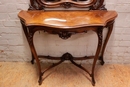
x: 92, y: 4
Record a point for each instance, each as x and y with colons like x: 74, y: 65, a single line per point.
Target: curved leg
x: 36, y: 58
x: 99, y: 34
x: 29, y: 35
x: 110, y: 27
x: 35, y: 54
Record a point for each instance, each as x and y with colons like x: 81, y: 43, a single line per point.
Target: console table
x: 66, y: 23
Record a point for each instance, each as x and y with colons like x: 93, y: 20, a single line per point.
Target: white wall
x: 14, y: 47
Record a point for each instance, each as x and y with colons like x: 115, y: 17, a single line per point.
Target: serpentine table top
x: 67, y: 19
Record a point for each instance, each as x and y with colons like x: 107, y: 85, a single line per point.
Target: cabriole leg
x: 29, y: 35
x: 110, y: 27
x: 99, y: 34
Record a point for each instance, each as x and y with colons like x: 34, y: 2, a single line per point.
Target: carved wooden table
x: 66, y: 23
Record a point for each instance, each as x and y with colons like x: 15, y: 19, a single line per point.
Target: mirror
x: 75, y: 3
x: 65, y: 4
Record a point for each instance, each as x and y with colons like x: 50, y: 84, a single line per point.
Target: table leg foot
x: 102, y: 61
x: 93, y: 83
x: 32, y: 61
x: 40, y: 80
x: 93, y: 80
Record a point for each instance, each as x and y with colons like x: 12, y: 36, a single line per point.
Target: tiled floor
x: 24, y: 74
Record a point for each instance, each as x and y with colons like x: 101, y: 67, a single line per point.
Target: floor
x: 24, y: 74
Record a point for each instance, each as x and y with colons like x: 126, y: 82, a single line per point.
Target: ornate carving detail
x: 31, y: 7
x: 35, y: 6
x: 99, y: 5
x: 100, y: 35
x: 66, y: 5
x: 102, y: 7
x: 65, y: 34
x: 30, y: 38
x: 66, y: 56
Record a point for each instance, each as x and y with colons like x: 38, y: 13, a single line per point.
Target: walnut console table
x: 66, y: 23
